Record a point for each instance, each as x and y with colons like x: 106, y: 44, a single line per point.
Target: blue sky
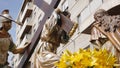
x: 14, y: 7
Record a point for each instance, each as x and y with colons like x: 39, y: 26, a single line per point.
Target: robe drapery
x: 52, y: 35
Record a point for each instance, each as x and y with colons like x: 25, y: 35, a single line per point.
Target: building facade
x: 82, y: 12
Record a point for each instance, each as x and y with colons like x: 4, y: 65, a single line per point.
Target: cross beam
x: 47, y: 9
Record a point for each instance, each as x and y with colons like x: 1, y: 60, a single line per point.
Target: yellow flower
x: 65, y: 60
x: 86, y: 58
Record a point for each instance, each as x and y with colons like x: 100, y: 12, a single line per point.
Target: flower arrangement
x: 87, y: 59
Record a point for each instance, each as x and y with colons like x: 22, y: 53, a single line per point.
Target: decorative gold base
x: 73, y: 29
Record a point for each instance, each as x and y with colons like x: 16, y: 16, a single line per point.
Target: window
x: 79, y: 21
x: 65, y: 5
x: 39, y: 17
x: 79, y: 18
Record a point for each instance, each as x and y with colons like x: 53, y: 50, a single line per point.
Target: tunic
x: 6, y: 44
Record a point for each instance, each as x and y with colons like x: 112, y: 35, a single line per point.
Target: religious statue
x: 106, y: 32
x: 6, y: 43
x: 51, y: 37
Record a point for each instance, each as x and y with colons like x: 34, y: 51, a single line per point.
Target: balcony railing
x: 25, y: 28
x: 27, y: 12
x: 25, y: 40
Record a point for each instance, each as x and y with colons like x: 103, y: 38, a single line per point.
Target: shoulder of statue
x: 95, y: 23
x: 2, y: 35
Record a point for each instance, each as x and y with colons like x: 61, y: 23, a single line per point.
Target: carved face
x: 98, y: 17
x: 99, y: 14
x: 7, y: 25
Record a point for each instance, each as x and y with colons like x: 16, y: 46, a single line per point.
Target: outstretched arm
x: 20, y: 49
x: 96, y: 25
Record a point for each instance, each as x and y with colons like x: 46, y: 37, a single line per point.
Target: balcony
x: 25, y: 28
x: 26, y: 39
x: 27, y: 12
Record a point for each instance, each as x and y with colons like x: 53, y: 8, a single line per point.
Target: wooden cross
x: 47, y: 9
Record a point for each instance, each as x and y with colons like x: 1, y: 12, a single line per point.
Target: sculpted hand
x: 21, y: 49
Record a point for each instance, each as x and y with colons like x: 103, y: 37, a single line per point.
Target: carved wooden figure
x: 109, y: 26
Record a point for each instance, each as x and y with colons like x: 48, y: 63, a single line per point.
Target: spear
x: 12, y: 20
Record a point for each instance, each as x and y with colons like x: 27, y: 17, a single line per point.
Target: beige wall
x: 78, y: 7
